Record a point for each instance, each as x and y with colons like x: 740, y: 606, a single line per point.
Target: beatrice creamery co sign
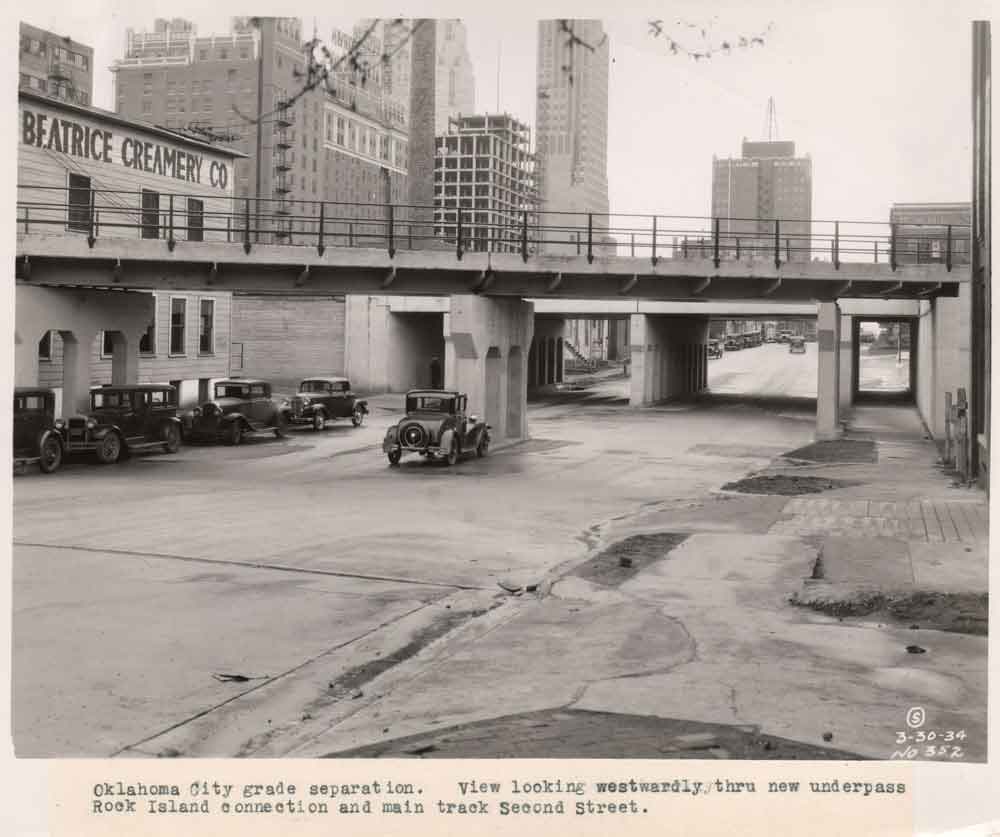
x: 68, y: 134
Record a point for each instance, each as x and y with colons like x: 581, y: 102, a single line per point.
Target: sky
x: 877, y: 94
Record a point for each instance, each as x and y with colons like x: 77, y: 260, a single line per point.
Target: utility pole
x: 261, y: 24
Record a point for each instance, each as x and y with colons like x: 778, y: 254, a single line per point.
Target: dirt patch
x: 349, y: 682
x: 961, y: 613
x: 785, y: 484
x: 624, y: 559
x: 862, y: 451
x: 580, y: 733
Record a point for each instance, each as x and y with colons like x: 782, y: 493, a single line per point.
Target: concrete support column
x: 828, y: 373
x: 77, y: 347
x: 26, y: 358
x: 125, y: 358
x: 847, y: 350
x: 486, y: 358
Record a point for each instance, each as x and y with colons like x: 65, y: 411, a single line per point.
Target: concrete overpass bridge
x: 489, y: 268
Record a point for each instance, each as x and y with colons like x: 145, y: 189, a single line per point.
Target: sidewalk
x: 720, y: 617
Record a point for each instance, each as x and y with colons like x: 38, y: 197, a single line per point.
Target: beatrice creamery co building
x: 78, y: 166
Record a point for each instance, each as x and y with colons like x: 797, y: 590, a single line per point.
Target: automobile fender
x: 101, y: 432
x: 446, y: 436
x: 44, y: 435
x: 360, y: 402
x: 228, y: 418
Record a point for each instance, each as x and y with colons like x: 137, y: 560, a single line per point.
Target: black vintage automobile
x: 36, y: 433
x: 240, y: 407
x: 125, y: 419
x: 734, y: 343
x: 436, y: 426
x: 714, y: 348
x: 321, y: 399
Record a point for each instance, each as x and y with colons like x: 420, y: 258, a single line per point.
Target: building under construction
x: 484, y: 167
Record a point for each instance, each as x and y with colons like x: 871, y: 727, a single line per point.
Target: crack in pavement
x: 250, y: 565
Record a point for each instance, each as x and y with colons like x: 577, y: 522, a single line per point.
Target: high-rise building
x: 341, y: 141
x: 749, y: 193
x: 572, y: 122
x: 454, y: 77
x: 55, y: 65
x: 485, y: 166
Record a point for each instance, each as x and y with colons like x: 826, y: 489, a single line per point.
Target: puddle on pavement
x: 855, y: 451
x: 962, y: 613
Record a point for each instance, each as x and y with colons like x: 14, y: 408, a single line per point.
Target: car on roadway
x: 797, y: 345
x: 320, y: 399
x: 239, y: 407
x: 37, y: 439
x: 733, y: 343
x: 714, y: 348
x: 783, y: 336
x: 124, y: 419
x: 437, y: 426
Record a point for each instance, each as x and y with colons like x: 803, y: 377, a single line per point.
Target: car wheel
x: 453, y: 452
x: 109, y: 450
x: 51, y: 455
x: 234, y: 435
x: 281, y: 429
x: 484, y: 445
x: 395, y: 456
x: 171, y: 438
x: 358, y: 417
x: 319, y: 421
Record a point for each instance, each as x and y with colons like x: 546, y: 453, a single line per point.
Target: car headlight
x: 59, y: 424
x: 196, y: 412
x: 91, y: 424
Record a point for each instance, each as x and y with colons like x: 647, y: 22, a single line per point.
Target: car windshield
x: 429, y: 404
x: 232, y: 391
x: 318, y: 386
x: 103, y: 400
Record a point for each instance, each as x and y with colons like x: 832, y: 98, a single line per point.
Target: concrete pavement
x: 369, y: 598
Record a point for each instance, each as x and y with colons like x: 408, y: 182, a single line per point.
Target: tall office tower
x: 456, y: 83
x: 342, y: 142
x: 56, y: 65
x: 572, y: 123
x: 749, y: 193
x: 484, y: 164
x: 454, y: 78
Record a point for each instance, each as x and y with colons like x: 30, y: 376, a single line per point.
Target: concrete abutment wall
x: 669, y: 357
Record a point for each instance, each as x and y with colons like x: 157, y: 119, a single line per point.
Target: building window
x: 107, y: 344
x: 178, y: 315
x: 147, y: 343
x: 340, y: 130
x: 45, y: 346
x: 206, y: 336
x: 150, y: 214
x: 81, y: 201
x: 147, y: 107
x: 196, y: 220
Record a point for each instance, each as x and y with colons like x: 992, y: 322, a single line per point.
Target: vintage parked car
x: 796, y: 345
x: 436, y: 425
x: 125, y: 419
x: 321, y: 399
x: 239, y: 407
x: 714, y: 348
x: 36, y: 433
x: 783, y: 336
x: 734, y: 343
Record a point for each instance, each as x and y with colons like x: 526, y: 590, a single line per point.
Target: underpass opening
x: 762, y: 359
x: 885, y: 360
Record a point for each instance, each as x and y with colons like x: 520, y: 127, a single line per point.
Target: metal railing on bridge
x: 185, y: 218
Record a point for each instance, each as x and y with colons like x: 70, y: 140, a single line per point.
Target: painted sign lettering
x: 80, y: 140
